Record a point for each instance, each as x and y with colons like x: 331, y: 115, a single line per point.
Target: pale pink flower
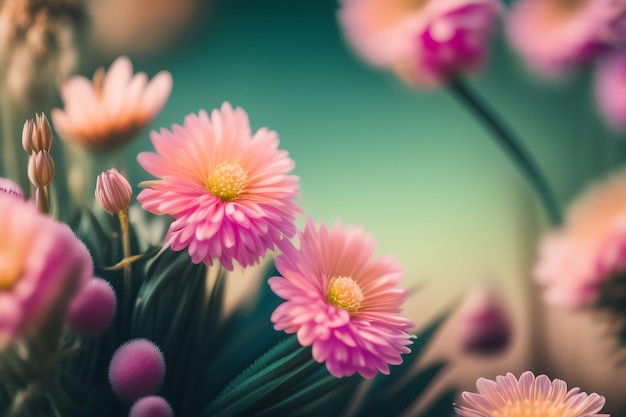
x: 110, y: 111
x: 342, y: 300
x: 610, y: 88
x: 554, y: 36
x: 229, y: 191
x: 590, y: 246
x: 42, y: 266
x: 426, y: 42
x: 528, y: 396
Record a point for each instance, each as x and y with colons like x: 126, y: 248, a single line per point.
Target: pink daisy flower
x: 425, y: 42
x: 110, y: 111
x: 42, y: 266
x: 590, y: 246
x: 554, y: 36
x: 229, y: 191
x: 528, y: 396
x: 610, y: 88
x: 342, y: 301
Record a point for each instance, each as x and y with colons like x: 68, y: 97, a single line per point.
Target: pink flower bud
x: 152, y: 406
x: 137, y: 369
x: 41, y: 169
x: 93, y: 309
x: 484, y: 326
x: 113, y: 191
x: 11, y: 188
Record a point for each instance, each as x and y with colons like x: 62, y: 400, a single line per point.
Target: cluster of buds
x: 37, y: 142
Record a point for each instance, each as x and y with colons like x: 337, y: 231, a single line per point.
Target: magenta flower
x: 556, y: 36
x: 342, y: 301
x: 610, y: 88
x: 109, y: 112
x: 529, y: 396
x: 229, y: 191
x: 425, y: 42
x: 589, y: 248
x: 42, y: 266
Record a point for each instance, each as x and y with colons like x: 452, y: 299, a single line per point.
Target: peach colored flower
x: 228, y: 190
x: 426, y: 42
x: 110, y: 111
x: 590, y: 246
x: 528, y: 396
x: 42, y: 265
x: 342, y: 300
x: 554, y: 36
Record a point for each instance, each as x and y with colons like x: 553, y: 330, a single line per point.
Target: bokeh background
x: 413, y: 167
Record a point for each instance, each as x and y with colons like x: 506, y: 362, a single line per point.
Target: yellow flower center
x: 10, y: 266
x: 528, y: 408
x: 228, y: 181
x: 345, y: 293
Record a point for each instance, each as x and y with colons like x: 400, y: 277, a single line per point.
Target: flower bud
x: 484, y: 323
x: 37, y: 134
x: 27, y: 133
x: 11, y: 188
x: 152, y: 406
x: 113, y: 191
x: 92, y: 310
x: 41, y: 169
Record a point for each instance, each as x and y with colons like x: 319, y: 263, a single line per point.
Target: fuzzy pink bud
x: 484, y: 323
x: 93, y: 309
x: 41, y: 169
x: 153, y: 406
x: 11, y: 188
x: 113, y: 191
x: 137, y: 369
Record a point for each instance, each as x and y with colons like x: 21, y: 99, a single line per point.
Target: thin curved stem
x: 511, y: 145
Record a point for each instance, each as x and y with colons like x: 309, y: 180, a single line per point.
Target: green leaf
x: 443, y: 406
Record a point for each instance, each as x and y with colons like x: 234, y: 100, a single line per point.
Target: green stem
x: 123, y: 216
x: 511, y: 145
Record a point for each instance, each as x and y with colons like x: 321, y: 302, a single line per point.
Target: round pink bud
x: 152, y: 406
x: 93, y: 309
x: 113, y: 191
x: 136, y: 370
x: 11, y: 188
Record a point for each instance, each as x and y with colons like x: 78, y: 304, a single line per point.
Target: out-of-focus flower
x: 576, y: 258
x: 425, y: 42
x: 342, y: 301
x: 92, y: 310
x: 42, y: 266
x: 41, y: 169
x: 137, y: 369
x: 110, y: 112
x: 152, y: 406
x: 37, y: 135
x: 113, y: 191
x: 484, y: 326
x: 10, y: 188
x: 528, y: 396
x: 554, y: 36
x: 229, y: 191
x: 610, y: 88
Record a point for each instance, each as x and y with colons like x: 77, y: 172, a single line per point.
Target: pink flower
x: 228, y: 190
x: 342, y: 301
x: 591, y: 245
x: 113, y: 191
x: 111, y: 111
x: 425, y: 42
x: 529, y: 396
x: 555, y: 36
x: 42, y: 266
x: 610, y: 88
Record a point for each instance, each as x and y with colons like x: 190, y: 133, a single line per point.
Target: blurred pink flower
x: 554, y: 36
x: 111, y: 111
x: 342, y: 301
x: 425, y: 42
x: 610, y: 88
x: 528, y: 396
x: 228, y: 190
x: 484, y: 324
x: 591, y: 245
x: 42, y: 266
